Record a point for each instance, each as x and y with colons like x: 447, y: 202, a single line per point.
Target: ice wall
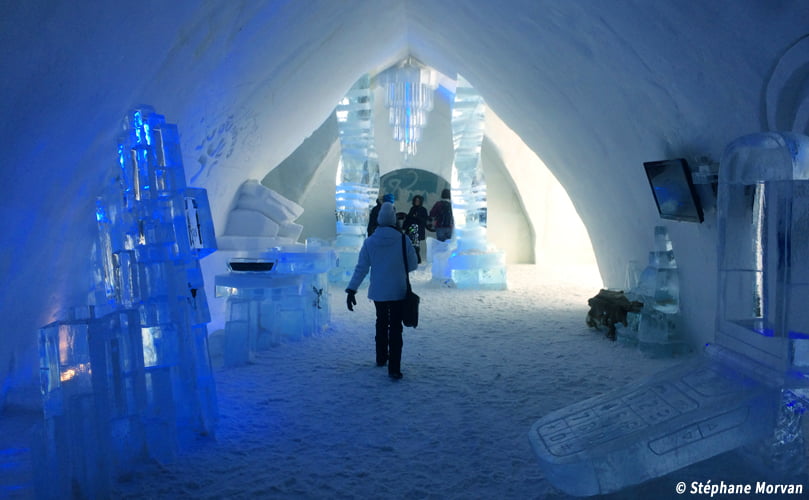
x: 594, y: 88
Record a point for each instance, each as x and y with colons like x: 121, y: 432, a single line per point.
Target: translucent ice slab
x: 302, y: 260
x: 652, y: 427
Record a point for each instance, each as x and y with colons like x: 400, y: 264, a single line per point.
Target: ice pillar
x: 473, y: 264
x: 357, y: 175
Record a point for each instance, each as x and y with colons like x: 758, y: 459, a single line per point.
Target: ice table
x: 289, y: 301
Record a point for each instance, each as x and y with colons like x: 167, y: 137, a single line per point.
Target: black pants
x: 389, y: 334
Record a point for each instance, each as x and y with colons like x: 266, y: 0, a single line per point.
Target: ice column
x: 130, y: 375
x: 357, y: 175
x: 473, y: 263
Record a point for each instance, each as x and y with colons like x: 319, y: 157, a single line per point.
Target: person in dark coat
x: 418, y: 215
x: 441, y: 215
x: 382, y: 254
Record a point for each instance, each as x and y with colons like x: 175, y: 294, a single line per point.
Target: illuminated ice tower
x: 357, y: 175
x: 129, y: 376
x: 473, y: 264
x: 154, y: 230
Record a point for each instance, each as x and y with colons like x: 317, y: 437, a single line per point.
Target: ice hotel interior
x: 620, y: 313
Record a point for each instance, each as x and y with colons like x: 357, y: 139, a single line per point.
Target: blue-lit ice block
x: 472, y: 265
x: 652, y: 427
x: 73, y: 415
x: 439, y: 253
x: 300, y: 259
x: 199, y: 222
x: 347, y: 248
x: 119, y: 384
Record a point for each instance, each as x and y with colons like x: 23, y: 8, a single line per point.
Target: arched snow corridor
x: 581, y: 94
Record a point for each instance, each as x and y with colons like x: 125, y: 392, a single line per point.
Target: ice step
x: 644, y: 430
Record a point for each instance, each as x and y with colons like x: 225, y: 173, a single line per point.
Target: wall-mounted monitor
x: 674, y: 190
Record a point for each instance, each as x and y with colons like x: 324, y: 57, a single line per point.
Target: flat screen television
x: 674, y: 190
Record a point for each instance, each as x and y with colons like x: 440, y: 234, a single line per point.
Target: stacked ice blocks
x: 473, y: 264
x: 656, y: 328
x: 130, y: 376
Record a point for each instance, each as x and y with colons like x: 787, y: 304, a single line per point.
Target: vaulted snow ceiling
x: 594, y: 87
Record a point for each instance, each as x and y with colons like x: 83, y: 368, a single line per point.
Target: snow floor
x: 317, y: 419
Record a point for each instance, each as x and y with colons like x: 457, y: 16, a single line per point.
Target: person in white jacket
x: 382, y: 254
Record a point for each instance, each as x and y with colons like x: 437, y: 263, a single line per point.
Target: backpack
x: 444, y: 218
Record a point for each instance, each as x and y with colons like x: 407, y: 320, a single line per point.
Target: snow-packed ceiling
x: 594, y: 87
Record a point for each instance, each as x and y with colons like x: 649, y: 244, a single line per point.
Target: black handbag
x: 410, y: 304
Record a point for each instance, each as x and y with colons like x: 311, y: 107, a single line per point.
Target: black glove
x: 351, y: 300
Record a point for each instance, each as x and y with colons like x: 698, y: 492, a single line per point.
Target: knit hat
x: 387, y: 215
x: 388, y: 197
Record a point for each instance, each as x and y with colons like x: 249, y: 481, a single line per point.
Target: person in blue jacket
x: 382, y: 254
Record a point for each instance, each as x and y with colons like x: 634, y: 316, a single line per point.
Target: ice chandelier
x: 409, y: 89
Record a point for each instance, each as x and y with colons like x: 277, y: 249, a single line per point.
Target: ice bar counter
x: 280, y: 294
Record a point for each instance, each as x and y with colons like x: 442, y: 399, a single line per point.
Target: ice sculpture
x: 357, y: 176
x: 276, y: 288
x: 655, y: 330
x: 288, y: 298
x: 129, y: 376
x: 750, y: 388
x: 260, y: 219
x: 472, y: 263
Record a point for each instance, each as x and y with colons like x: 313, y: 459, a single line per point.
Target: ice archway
x: 593, y: 88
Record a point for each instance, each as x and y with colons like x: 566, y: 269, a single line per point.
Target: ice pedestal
x: 289, y: 302
x: 479, y: 271
x: 652, y: 427
x: 467, y: 262
x: 439, y: 253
